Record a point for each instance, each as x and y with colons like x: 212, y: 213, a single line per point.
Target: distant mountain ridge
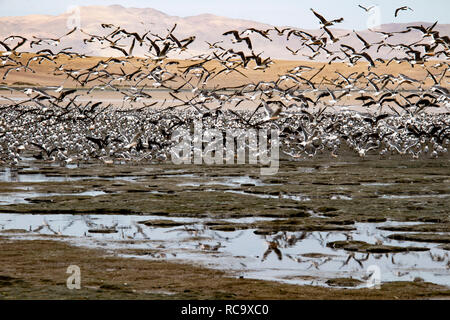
x: 206, y: 27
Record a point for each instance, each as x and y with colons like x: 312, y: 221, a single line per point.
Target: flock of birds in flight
x: 54, y: 124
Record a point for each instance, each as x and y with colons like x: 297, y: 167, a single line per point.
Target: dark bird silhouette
x: 404, y: 8
x: 366, y: 9
x: 324, y: 22
x: 238, y: 39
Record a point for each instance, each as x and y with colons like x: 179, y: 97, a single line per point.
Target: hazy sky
x: 294, y: 13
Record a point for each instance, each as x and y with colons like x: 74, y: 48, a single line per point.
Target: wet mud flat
x: 37, y: 270
x: 321, y: 224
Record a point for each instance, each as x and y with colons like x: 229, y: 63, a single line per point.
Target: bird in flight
x: 325, y: 22
x: 238, y: 38
x: 366, y: 9
x: 404, y: 8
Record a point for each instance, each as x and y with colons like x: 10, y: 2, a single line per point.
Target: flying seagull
x: 325, y: 22
x: 404, y: 8
x: 366, y: 9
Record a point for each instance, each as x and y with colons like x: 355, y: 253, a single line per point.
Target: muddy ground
x: 37, y: 270
x: 307, y: 195
x: 343, y: 191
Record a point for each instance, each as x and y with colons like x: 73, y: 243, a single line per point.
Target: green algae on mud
x: 421, y: 237
x: 344, y: 282
x: 309, y: 195
x: 332, y: 196
x: 364, y: 247
x: 27, y: 275
x: 429, y: 227
x: 163, y: 223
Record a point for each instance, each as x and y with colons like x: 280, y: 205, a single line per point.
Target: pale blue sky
x: 277, y: 12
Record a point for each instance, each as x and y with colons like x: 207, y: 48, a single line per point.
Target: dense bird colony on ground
x: 54, y: 124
